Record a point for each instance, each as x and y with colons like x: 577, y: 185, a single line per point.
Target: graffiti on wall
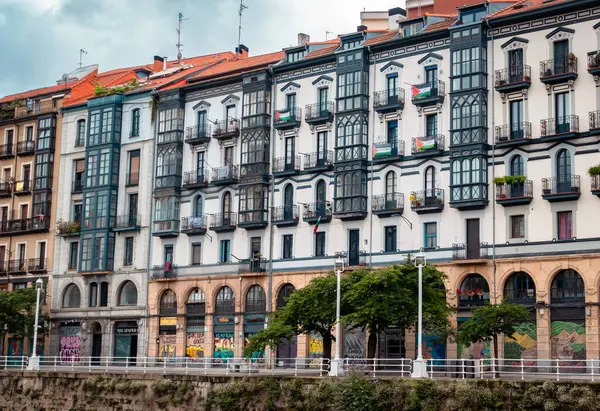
x: 315, y: 347
x: 15, y: 347
x: 166, y: 345
x: 568, y: 340
x: 433, y: 347
x: 523, y: 343
x: 224, y: 346
x: 70, y: 344
x: 195, y: 345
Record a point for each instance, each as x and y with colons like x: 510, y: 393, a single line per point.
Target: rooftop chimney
x: 164, y: 63
x: 395, y: 16
x: 242, y: 51
x: 158, y: 63
x: 361, y: 28
x: 303, y: 39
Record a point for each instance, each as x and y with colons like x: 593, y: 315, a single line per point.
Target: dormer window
x: 296, y: 56
x: 472, y: 15
x: 412, y: 29
x: 351, y: 44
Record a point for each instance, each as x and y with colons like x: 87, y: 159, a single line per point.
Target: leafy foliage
x: 17, y: 311
x: 124, y: 88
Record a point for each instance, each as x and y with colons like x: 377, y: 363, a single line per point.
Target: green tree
x: 490, y: 321
x: 388, y: 297
x: 17, y: 312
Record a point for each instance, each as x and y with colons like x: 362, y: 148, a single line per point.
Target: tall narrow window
x: 196, y: 254
x: 79, y: 167
x: 516, y: 166
x: 29, y: 132
x: 225, y: 250
x: 562, y: 113
x: 103, y: 294
x: 390, y: 186
x: 392, y: 85
x: 431, y: 126
x: 563, y: 171
x: 515, y: 66
x: 517, y: 226
x: 565, y: 225
x: 128, y: 254
x: 390, y: 239
x: 431, y: 76
x: 561, y: 57
x: 288, y: 241
x: 392, y: 135
x: 135, y: 123
x: 321, y: 148
x: 516, y: 119
x: 80, y: 139
x: 134, y: 168
x: 430, y: 235
x: 320, y: 244
x: 430, y: 183
x: 73, y: 250
x: 291, y: 102
x: 322, y: 101
x: 93, y: 298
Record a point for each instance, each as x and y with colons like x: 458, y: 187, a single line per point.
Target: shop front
x: 126, y: 341
x: 167, y: 338
x: 224, y: 344
x: 253, y: 323
x: 70, y: 343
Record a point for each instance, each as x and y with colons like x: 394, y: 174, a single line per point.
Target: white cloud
x: 2, y: 19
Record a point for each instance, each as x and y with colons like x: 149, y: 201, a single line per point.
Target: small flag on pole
x: 317, y: 225
x: 421, y: 92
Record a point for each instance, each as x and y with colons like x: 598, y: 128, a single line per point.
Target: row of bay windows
x: 127, y: 295
x: 100, y: 123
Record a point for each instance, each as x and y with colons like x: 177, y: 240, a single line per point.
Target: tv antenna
x: 241, y: 10
x: 81, y: 53
x: 179, y: 45
x: 327, y: 33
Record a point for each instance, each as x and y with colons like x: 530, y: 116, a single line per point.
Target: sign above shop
x: 168, y: 321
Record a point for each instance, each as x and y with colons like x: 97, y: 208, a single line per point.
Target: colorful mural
x: 224, y: 346
x: 433, y: 348
x: 256, y: 355
x: 568, y: 340
x: 523, y: 343
x: 315, y: 346
x: 15, y: 347
x: 166, y: 346
x: 195, y: 345
x: 477, y: 351
x: 71, y: 346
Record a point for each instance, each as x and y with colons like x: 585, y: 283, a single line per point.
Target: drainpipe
x: 271, y: 193
x: 372, y: 165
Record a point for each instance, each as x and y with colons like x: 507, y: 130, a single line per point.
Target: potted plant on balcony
x: 500, y: 192
x: 594, y: 173
x: 499, y: 180
x: 571, y: 57
x: 527, y: 79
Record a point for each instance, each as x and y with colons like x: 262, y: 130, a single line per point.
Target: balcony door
x: 291, y: 102
x: 255, y: 254
x: 431, y: 77
x: 473, y: 243
x: 133, y: 207
x: 26, y: 176
x: 515, y: 66
x: 561, y: 57
x: 288, y: 202
x: 41, y: 255
x: 290, y: 153
x: 201, y: 123
x: 200, y: 165
x: 321, y: 148
x: 430, y: 185
x: 562, y: 112
x: 353, y: 247
x: 322, y: 101
x: 516, y: 119
x: 21, y: 254
x: 320, y: 198
x: 169, y: 254
x: 392, y: 89
x: 563, y: 172
x: 392, y: 134
x: 9, y: 141
x: 431, y: 125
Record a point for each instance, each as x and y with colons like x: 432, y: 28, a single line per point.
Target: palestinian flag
x: 382, y: 150
x: 317, y: 225
x: 421, y: 92
x: 425, y: 143
x: 283, y: 115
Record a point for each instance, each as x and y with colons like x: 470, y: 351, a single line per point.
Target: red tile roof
x: 240, y: 65
x: 381, y: 39
x: 58, y: 88
x: 524, y: 6
x: 321, y: 52
x: 440, y: 25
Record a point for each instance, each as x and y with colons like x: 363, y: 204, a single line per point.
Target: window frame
x: 518, y: 222
x: 288, y: 246
x: 428, y: 237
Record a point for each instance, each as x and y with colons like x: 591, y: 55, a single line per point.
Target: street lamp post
x: 335, y: 364
x: 34, y: 361
x: 419, y: 366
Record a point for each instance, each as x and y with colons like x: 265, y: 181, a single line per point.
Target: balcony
x: 514, y: 194
x: 353, y: 258
x: 252, y: 266
x: 317, y: 211
x: 512, y: 79
x: 559, y: 128
x: 77, y: 187
x: 388, y: 101
x: 558, y: 71
x: 319, y: 161
x: 222, y: 223
x: 595, y: 122
x: 24, y: 226
x: 513, y: 134
x: 22, y: 187
x: 133, y: 179
x: 350, y: 208
x: 257, y: 169
x: 288, y: 118
x: 5, y: 190
x: 567, y: 295
x: 68, y: 228
x: 37, y: 108
x: 170, y: 181
x: 170, y: 137
x: 199, y: 134
x: 427, y: 201
x: 227, y: 129
x: 127, y: 223
x: 134, y: 133
x: 320, y: 113
x: 595, y: 185
x: 561, y: 189
x: 593, y: 63
x: 25, y: 148
x: 193, y: 225
x: 285, y: 216
x: 225, y: 175
x: 161, y: 272
x: 428, y: 146
x: 520, y: 296
x: 388, y: 205
x: 253, y: 219
x: 285, y: 166
x: 166, y: 228
x: 38, y: 265
x: 464, y: 252
x: 7, y: 151
x: 385, y: 150
x: 17, y: 267
x: 195, y: 179
x: 429, y: 94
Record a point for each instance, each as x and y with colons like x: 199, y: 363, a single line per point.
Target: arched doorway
x: 474, y: 291
x: 567, y: 317
x: 519, y: 288
x: 195, y: 310
x: 224, y: 324
x: 96, y: 343
x: 254, y: 316
x: 167, y: 330
x: 288, y: 202
x: 287, y: 349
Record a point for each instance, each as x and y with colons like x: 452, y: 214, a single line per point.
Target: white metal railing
x: 398, y: 367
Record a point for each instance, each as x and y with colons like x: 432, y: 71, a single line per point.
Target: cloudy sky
x: 40, y: 39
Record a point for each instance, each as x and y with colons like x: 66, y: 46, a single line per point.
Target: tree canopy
x: 17, y: 311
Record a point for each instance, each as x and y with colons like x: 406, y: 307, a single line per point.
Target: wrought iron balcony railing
x: 568, y: 295
x: 226, y: 128
x: 388, y: 98
x: 290, y: 115
x: 520, y: 296
x: 513, y: 75
x: 225, y: 307
x: 551, y: 68
x: 167, y: 309
x: 223, y: 221
x: 252, y: 265
x: 195, y: 178
x: 37, y: 265
x: 127, y: 221
x: 199, y: 133
x: 196, y: 223
x: 514, y: 190
x: 516, y: 131
x: 464, y: 252
x: 7, y: 150
x: 432, y: 199
x: 165, y: 272
x: 559, y: 125
x: 423, y: 145
x: 225, y: 174
x: 595, y: 120
x: 23, y: 187
x: 285, y: 214
x: 256, y: 306
x: 25, y: 147
x: 319, y: 111
x: 594, y: 61
x: 286, y: 164
x: 312, y: 211
x: 561, y: 185
x: 318, y: 159
x: 388, y: 203
x: 429, y: 90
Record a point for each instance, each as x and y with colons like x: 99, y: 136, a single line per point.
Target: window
x: 517, y: 226
x: 291, y: 101
x: 255, y: 149
x: 320, y: 244
x: 430, y: 183
x: 44, y: 167
x: 73, y: 250
x: 19, y: 286
x: 412, y: 29
x: 77, y: 207
x: 134, y: 168
x: 431, y: 75
x: 351, y: 131
x: 516, y: 119
x: 472, y: 16
x: 80, y: 138
x: 128, y: 294
x: 352, y: 90
x: 128, y: 255
x: 390, y: 185
x: 467, y: 65
x: 431, y: 125
x: 167, y: 209
x: 97, y: 250
x: 79, y: 167
x: 45, y: 133
x: 255, y: 300
x: 93, y: 298
x: 322, y: 100
x: 199, y: 207
x: 562, y: 112
x: 29, y: 133
x: 392, y: 85
x: 298, y: 55
x: 430, y: 235
x: 288, y: 242
x: 225, y: 303
x: 565, y: 225
x: 196, y: 254
x: 96, y: 209
x: 392, y: 134
x: 135, y: 123
x: 254, y: 103
x: 41, y: 207
x: 390, y: 239
x: 516, y: 166
x: 102, y: 168
x: 71, y: 297
x: 170, y: 120
x: 226, y: 206
x: 563, y: 171
x: 225, y: 249
x: 103, y: 294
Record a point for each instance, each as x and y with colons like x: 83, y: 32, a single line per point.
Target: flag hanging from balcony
x: 283, y: 115
x: 317, y: 225
x: 382, y: 150
x: 425, y: 143
x: 421, y: 92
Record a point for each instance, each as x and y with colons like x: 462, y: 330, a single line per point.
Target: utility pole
x: 179, y: 45
x: 81, y: 53
x: 240, y: 12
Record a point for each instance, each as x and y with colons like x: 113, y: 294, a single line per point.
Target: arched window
x: 520, y: 288
x: 199, y: 207
x: 225, y: 304
x: 255, y: 300
x: 71, y: 297
x: 226, y: 203
x: 516, y: 166
x: 430, y: 183
x: 475, y: 170
x: 288, y: 196
x: 168, y: 303
x: 284, y: 294
x: 356, y: 184
x: 80, y: 133
x: 93, y: 295
x: 473, y: 291
x: 321, y: 193
x: 128, y: 294
x: 563, y: 171
x: 196, y: 303
x: 567, y: 287
x: 390, y: 185
x: 135, y: 123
